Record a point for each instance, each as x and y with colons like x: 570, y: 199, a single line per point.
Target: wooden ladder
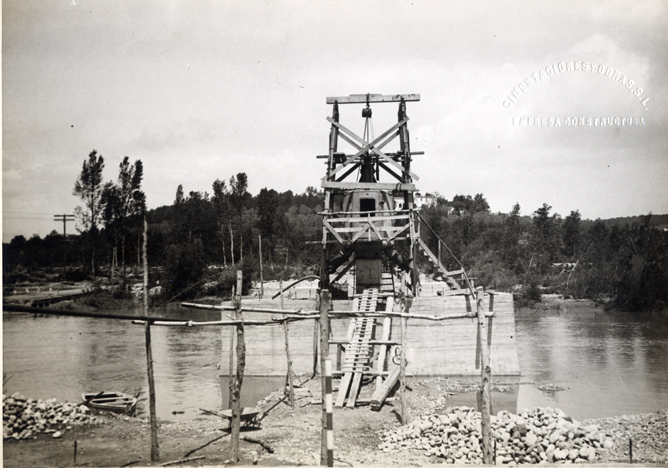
x: 359, y: 350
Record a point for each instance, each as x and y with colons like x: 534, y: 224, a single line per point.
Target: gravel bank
x: 24, y: 418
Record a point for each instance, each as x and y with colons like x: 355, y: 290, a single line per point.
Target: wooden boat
x: 111, y: 401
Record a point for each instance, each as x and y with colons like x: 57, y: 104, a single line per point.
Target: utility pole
x: 64, y: 218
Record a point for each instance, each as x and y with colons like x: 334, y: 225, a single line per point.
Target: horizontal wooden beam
x: 364, y: 98
x: 392, y: 155
x: 371, y: 342
x: 367, y: 186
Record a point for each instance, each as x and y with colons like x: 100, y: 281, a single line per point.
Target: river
x: 611, y: 363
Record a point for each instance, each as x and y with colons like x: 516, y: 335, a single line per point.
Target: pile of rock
x: 24, y: 418
x: 542, y: 435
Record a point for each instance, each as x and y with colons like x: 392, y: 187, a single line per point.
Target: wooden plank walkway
x: 358, y: 351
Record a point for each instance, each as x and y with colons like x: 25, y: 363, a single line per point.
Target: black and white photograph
x: 337, y: 233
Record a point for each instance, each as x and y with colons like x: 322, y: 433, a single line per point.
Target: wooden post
x: 230, y: 372
x: 261, y: 278
x: 315, y: 338
x: 485, y: 372
x: 405, y: 419
x: 327, y: 448
x: 630, y: 449
x: 236, y: 383
x: 155, y: 455
x: 287, y: 351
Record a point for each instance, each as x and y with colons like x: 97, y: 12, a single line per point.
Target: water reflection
x: 614, y: 363
x: 62, y: 357
x: 610, y: 361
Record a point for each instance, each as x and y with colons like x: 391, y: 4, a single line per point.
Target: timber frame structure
x: 370, y: 224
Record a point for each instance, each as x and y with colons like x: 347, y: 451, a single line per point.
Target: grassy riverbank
x: 293, y: 434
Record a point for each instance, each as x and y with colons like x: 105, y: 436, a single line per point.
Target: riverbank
x: 293, y: 435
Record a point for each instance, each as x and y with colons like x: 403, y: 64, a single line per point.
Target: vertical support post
x: 329, y: 413
x: 261, y: 277
x: 155, y: 455
x: 333, y: 142
x: 230, y: 372
x: 405, y: 419
x: 315, y: 338
x: 235, y: 424
x: 485, y: 372
x: 286, y: 330
x: 291, y: 389
x: 327, y: 449
x: 630, y: 449
x: 145, y: 267
x: 414, y: 235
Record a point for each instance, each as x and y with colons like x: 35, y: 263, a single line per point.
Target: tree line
x: 623, y: 259
x: 199, y: 238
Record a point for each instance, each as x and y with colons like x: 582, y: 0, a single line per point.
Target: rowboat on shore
x: 111, y: 401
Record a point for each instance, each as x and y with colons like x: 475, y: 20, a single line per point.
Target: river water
x: 610, y: 363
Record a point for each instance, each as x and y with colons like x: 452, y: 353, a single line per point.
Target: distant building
x: 419, y: 201
x: 424, y: 200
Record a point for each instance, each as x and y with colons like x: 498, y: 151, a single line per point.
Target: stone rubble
x: 24, y: 418
x: 541, y: 435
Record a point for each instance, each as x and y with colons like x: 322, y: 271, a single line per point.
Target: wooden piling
x: 405, y: 419
x: 155, y: 453
x: 327, y: 446
x: 630, y: 449
x: 237, y: 382
x: 291, y: 390
x: 155, y: 456
x: 485, y: 372
x: 403, y: 323
x: 230, y: 373
x: 315, y: 339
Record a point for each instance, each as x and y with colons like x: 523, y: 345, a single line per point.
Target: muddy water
x: 609, y: 363
x: 61, y: 357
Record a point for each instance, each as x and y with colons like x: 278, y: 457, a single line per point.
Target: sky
x: 513, y: 97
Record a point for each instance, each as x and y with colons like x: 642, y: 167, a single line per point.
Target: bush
x: 529, y: 296
x: 184, y: 271
x: 228, y: 279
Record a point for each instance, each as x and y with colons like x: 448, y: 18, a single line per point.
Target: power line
x: 26, y: 212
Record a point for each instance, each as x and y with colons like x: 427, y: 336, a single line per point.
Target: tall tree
x: 572, y: 233
x: 89, y: 188
x: 110, y: 214
x: 221, y: 204
x: 511, y: 240
x: 267, y: 208
x: 480, y: 204
x: 238, y: 198
x: 130, y: 199
x: 179, y: 195
x: 545, y: 238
